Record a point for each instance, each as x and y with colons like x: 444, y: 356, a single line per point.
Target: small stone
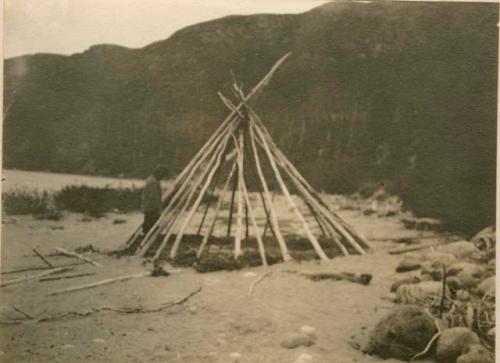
x: 440, y: 258
x: 249, y: 274
x: 99, y: 341
x: 406, y: 280
x: 67, y: 346
x: 304, y: 358
x: 309, y: 331
x: 463, y: 295
x: 392, y: 297
x: 193, y: 310
x: 409, y: 263
x: 467, y: 279
x: 235, y: 356
x: 461, y: 249
x: 487, y: 286
x: 296, y: 340
x: 453, y: 343
x: 476, y: 354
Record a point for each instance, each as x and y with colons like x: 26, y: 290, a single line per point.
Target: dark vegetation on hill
x: 399, y: 93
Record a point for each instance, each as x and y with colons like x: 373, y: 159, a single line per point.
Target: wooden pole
x: 170, y: 223
x: 244, y: 190
x: 272, y: 212
x: 161, y: 222
x: 220, y: 130
x: 360, y: 238
x: 332, y: 219
x: 239, y: 198
x: 190, y: 215
x: 217, y: 209
x: 205, y: 212
x: 231, y: 206
x: 285, y: 191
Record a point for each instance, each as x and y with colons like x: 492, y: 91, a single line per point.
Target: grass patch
x: 92, y: 201
x: 25, y: 202
x: 97, y: 201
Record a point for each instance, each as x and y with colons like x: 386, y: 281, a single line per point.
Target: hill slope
x: 395, y: 92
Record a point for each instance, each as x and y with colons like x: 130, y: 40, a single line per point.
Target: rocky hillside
x: 400, y: 93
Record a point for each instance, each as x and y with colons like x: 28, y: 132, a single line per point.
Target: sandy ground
x: 219, y: 320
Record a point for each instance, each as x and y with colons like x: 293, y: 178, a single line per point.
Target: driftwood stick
x: 217, y: 210
x: 43, y: 259
x: 98, y: 283
x: 257, y: 280
x: 429, y: 345
x: 398, y: 251
x: 76, y: 255
x: 35, y: 277
x: 26, y: 269
x: 363, y: 279
x: 119, y: 310
x: 67, y: 276
x: 284, y: 189
x: 22, y: 312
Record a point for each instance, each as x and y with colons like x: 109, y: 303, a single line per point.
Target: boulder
x: 485, y: 239
x: 405, y: 280
x: 461, y: 249
x: 472, y: 268
x: 453, y: 343
x: 439, y: 258
x: 420, y: 293
x: 402, y: 333
x: 453, y: 283
x: 433, y: 269
x: 487, y: 286
x: 468, y: 280
x: 476, y: 354
x: 296, y: 340
x: 409, y: 263
x: 463, y: 295
x: 304, y: 358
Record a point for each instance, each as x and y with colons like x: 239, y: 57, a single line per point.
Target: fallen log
x: 398, y: 251
x: 67, y: 276
x: 76, y: 255
x: 35, y: 277
x: 119, y: 310
x: 98, y: 283
x: 363, y: 279
x: 26, y: 269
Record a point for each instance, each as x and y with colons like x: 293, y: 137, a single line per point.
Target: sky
x: 71, y: 26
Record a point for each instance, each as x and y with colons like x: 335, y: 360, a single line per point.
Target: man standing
x: 151, y: 202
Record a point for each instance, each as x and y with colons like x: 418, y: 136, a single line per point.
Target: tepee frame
x: 241, y: 137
